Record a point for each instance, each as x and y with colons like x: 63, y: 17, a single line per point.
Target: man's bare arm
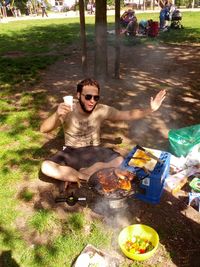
x: 50, y: 123
x: 136, y: 114
x: 55, y: 119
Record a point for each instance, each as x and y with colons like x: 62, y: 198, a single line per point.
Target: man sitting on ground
x: 129, y: 23
x: 83, y: 155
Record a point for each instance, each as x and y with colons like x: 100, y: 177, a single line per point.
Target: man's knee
x: 119, y: 160
x: 45, y: 166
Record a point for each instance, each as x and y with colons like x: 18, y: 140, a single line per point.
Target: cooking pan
x: 110, y: 174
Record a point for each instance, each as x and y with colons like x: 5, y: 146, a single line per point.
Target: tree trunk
x: 117, y: 39
x: 100, y: 69
x: 83, y: 37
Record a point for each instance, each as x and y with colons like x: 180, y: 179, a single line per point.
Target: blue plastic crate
x: 151, y: 183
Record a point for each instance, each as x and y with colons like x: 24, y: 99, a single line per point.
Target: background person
x: 126, y: 17
x: 144, y: 26
x: 83, y: 154
x: 4, y: 10
x: 28, y: 8
x: 90, y: 7
x: 129, y: 23
x: 165, y: 16
x: 132, y: 28
x: 43, y: 7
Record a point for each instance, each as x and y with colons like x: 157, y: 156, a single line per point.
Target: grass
x: 27, y: 48
x: 43, y: 220
x: 26, y: 195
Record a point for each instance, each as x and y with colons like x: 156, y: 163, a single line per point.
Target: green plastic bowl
x: 144, y: 232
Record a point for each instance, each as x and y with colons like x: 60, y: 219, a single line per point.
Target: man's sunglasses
x: 89, y: 97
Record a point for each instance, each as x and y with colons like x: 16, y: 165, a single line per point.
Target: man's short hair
x: 85, y: 82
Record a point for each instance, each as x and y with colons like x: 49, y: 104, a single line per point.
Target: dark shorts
x: 83, y: 157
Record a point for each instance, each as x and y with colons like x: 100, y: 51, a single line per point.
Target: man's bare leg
x: 101, y: 165
x: 68, y: 174
x: 62, y: 173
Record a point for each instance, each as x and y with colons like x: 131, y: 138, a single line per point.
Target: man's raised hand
x: 156, y: 102
x: 62, y: 111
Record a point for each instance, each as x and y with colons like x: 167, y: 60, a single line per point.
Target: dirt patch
x: 144, y: 71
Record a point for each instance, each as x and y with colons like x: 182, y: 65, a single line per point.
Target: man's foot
x: 84, y: 174
x: 63, y: 187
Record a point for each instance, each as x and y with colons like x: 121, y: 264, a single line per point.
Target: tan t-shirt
x: 82, y: 130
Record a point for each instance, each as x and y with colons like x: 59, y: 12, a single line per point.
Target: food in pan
x: 115, y: 179
x: 124, y: 174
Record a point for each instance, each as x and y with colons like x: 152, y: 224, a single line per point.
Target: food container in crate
x: 151, y: 167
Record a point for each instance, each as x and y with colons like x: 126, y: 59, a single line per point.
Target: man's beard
x: 83, y: 107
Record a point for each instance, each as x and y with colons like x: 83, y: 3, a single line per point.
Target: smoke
x: 118, y: 217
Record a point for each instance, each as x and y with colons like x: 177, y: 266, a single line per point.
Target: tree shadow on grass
x: 6, y: 259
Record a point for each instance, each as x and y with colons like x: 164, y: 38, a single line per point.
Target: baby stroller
x: 176, y: 20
